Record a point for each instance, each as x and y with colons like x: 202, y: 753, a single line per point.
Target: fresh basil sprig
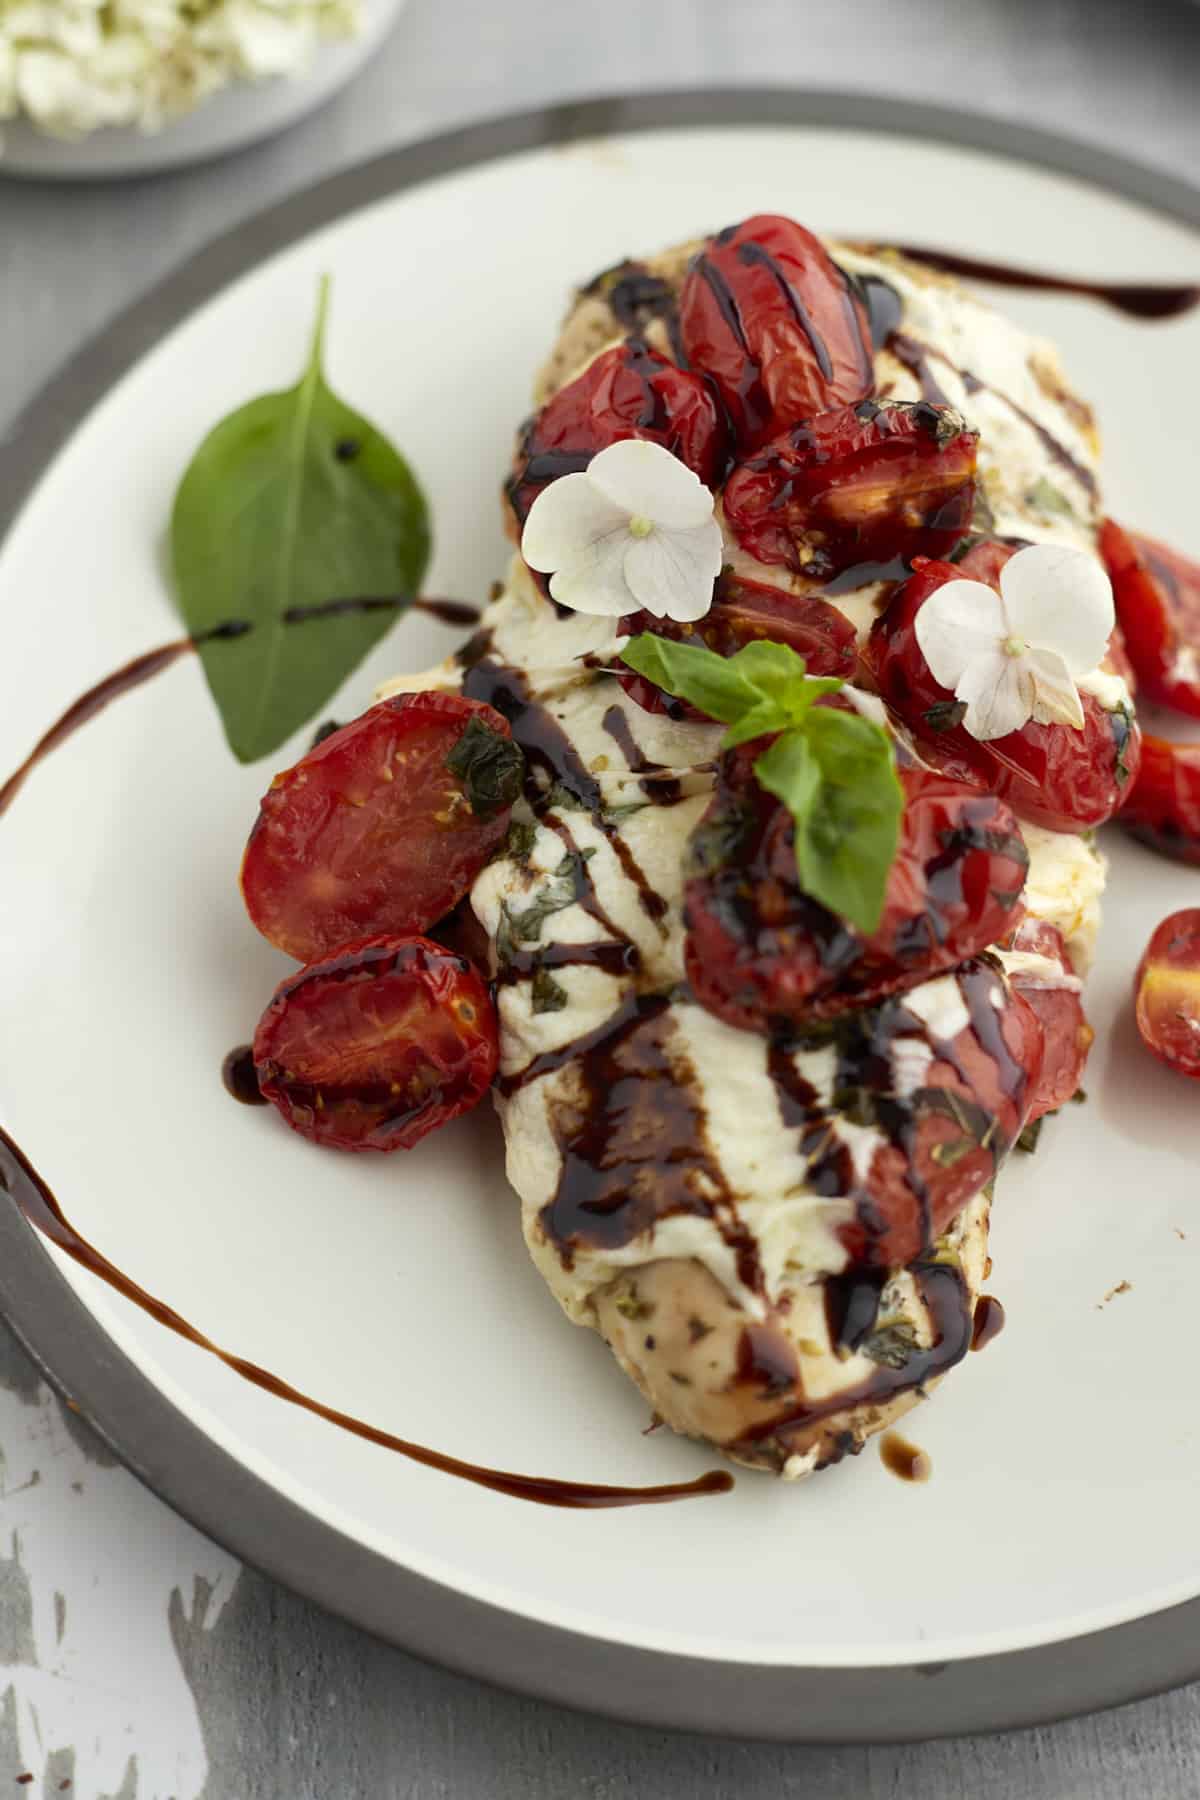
x: 292, y: 503
x: 835, y: 771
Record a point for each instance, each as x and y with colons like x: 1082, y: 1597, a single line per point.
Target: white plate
x: 231, y: 120
x: 1067, y: 1458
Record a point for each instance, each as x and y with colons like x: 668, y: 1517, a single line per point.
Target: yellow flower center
x: 640, y: 527
x: 1014, y: 646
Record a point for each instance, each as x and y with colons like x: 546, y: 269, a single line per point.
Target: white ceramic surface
x: 232, y: 119
x: 1066, y: 1457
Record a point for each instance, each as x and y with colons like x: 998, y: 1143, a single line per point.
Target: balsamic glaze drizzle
x: 1152, y: 300
x: 37, y: 1204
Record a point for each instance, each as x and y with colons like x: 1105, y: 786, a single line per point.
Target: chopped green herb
x: 522, y: 835
x: 561, y: 799
x: 1048, y: 498
x: 1028, y: 1140
x: 548, y: 994
x: 561, y: 891
x: 891, y: 1344
x: 490, y: 766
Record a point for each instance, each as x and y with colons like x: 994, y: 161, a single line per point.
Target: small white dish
x: 231, y: 120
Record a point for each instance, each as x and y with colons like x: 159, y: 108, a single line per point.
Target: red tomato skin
x: 867, y: 483
x: 743, y: 612
x: 779, y: 328
x: 1057, y: 1002
x: 1052, y: 775
x: 1157, y: 595
x: 947, y: 1140
x: 378, y: 1044
x: 370, y: 831
x: 629, y: 391
x: 1167, y: 993
x: 1163, y: 810
x: 764, y: 957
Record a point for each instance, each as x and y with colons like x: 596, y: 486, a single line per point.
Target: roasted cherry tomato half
x: 944, y: 1074
x: 866, y: 484
x: 1163, y: 809
x: 376, y: 1046
x: 384, y: 825
x: 1157, y: 595
x: 629, y: 391
x: 1054, y: 775
x: 741, y: 613
x: 1167, y: 992
x: 768, y: 315
x: 765, y: 957
x: 1041, y: 973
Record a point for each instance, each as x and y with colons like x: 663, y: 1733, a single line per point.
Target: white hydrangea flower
x: 634, y: 531
x: 1017, y: 655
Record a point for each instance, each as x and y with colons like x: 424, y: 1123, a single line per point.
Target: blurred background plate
x: 232, y: 119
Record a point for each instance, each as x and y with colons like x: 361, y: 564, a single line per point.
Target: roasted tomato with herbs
x: 383, y: 826
x: 1039, y: 969
x: 1157, y: 596
x: 744, y: 612
x: 376, y: 1046
x: 866, y: 484
x: 1163, y: 809
x: 944, y: 1075
x: 1167, y: 993
x: 768, y: 315
x: 629, y: 391
x: 765, y: 957
x: 1053, y: 775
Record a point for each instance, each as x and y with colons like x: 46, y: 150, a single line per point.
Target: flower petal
x: 1060, y: 599
x: 1055, y: 697
x: 648, y: 482
x: 567, y: 517
x: 960, y: 622
x: 593, y: 581
x: 998, y: 690
x: 671, y: 573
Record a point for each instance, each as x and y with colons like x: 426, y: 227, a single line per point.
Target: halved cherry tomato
x: 777, y: 325
x: 742, y: 612
x: 948, y: 1098
x: 765, y: 957
x: 629, y: 391
x: 376, y: 1046
x: 1054, y: 775
x: 383, y: 826
x: 866, y: 483
x: 1163, y: 809
x: 1157, y: 595
x: 1167, y: 992
x: 1048, y: 984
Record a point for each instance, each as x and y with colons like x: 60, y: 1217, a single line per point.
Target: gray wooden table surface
x: 282, y: 1702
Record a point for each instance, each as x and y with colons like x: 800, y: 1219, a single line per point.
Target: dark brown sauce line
x: 1138, y: 300
x: 94, y: 701
x: 39, y: 1208
x: 450, y: 612
x: 132, y: 674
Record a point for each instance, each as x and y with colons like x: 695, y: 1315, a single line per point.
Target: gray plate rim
x: 241, y: 1511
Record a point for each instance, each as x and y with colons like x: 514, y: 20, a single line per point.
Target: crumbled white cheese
x: 72, y: 66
